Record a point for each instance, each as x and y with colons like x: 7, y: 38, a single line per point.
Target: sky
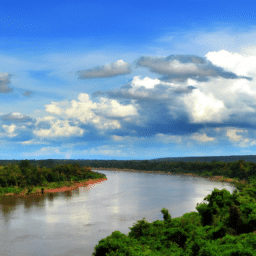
x: 127, y: 80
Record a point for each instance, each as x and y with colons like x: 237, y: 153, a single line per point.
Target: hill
x: 209, y: 159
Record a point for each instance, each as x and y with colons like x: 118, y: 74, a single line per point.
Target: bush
x: 74, y: 178
x: 119, y: 244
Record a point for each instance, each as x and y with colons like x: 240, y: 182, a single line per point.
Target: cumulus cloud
x: 234, y: 62
x: 147, y: 82
x: 114, y: 69
x: 205, y: 108
x: 182, y: 67
x: 218, y: 100
x: 4, y: 83
x: 9, y: 129
x: 160, y: 109
x: 16, y: 124
x: 53, y: 109
x: 232, y: 134
x: 101, y: 115
x: 239, y: 137
x: 241, y: 140
x: 112, y: 108
x: 202, y: 137
x: 57, y: 128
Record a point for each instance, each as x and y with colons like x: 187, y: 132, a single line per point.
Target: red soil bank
x: 89, y: 183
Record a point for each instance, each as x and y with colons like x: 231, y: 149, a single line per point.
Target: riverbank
x: 212, y: 178
x: 73, y: 186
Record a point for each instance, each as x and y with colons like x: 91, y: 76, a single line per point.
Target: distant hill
x: 209, y: 159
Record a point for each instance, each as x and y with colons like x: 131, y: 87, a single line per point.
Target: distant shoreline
x: 212, y: 178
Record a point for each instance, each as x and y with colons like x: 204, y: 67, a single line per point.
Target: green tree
x: 24, y: 164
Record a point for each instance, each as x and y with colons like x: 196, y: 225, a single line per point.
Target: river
x: 72, y: 222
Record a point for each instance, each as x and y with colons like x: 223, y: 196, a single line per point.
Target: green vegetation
x: 240, y: 169
x: 225, y: 224
x: 15, y: 178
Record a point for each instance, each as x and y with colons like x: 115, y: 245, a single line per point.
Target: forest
x: 240, y: 169
x: 17, y: 177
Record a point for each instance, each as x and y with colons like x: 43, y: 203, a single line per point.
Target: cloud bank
x: 152, y: 112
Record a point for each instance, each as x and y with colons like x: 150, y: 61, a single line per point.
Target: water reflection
x: 9, y: 204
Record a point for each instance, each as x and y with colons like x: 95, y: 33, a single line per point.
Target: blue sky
x: 127, y: 79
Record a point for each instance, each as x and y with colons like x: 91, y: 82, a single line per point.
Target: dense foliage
x: 225, y: 225
x: 14, y: 177
x: 240, y: 169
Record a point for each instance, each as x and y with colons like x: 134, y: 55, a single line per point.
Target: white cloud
x: 234, y: 62
x: 231, y: 133
x: 59, y: 128
x: 202, y: 137
x: 239, y: 140
x: 147, y: 82
x: 204, y: 108
x: 10, y: 130
x: 150, y: 83
x: 82, y: 110
x: 53, y: 109
x: 100, y: 114
x: 112, y: 108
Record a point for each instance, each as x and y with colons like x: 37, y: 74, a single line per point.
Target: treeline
x: 239, y: 169
x: 25, y: 174
x: 209, y: 159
